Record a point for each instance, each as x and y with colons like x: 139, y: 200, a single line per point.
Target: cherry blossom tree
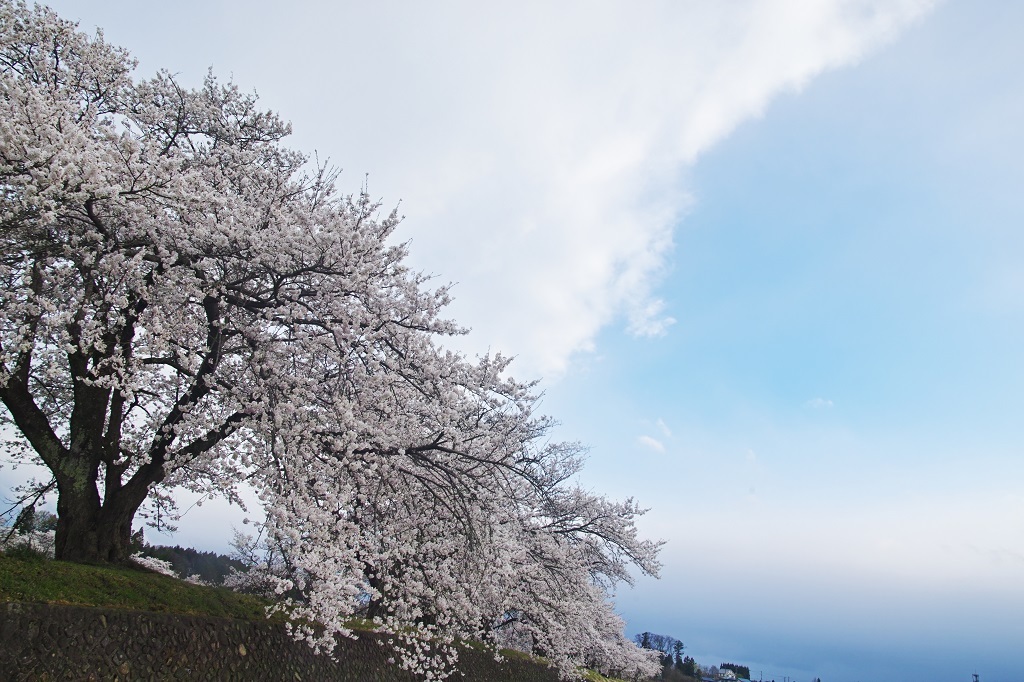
x: 187, y: 303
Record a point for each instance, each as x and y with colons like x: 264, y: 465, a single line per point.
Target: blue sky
x: 766, y: 256
x: 841, y: 473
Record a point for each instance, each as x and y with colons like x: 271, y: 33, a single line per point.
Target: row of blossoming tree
x: 186, y: 303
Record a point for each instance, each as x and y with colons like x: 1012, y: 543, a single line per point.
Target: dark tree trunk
x: 88, y: 533
x: 93, y: 531
x: 92, y: 536
x: 375, y: 607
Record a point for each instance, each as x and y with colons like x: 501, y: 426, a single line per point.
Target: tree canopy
x: 185, y: 302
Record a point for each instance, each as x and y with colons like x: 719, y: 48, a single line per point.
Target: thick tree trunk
x: 89, y: 531
x: 375, y: 607
x: 92, y: 536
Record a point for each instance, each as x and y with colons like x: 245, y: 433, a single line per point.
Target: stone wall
x: 54, y: 642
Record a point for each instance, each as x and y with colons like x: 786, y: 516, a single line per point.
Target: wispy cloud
x: 819, y: 404
x: 580, y: 186
x: 652, y: 443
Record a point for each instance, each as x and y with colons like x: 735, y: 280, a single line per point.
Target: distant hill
x: 188, y: 562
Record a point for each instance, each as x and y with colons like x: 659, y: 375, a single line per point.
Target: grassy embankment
x: 56, y: 582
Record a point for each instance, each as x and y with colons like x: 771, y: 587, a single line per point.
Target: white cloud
x: 652, y: 443
x: 537, y: 147
x: 819, y: 404
x: 663, y: 427
x: 582, y: 117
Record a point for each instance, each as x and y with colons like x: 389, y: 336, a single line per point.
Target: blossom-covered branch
x: 186, y: 302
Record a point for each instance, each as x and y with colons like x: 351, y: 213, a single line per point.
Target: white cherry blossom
x: 186, y: 302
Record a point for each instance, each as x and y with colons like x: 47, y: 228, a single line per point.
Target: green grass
x: 594, y: 676
x: 58, y: 582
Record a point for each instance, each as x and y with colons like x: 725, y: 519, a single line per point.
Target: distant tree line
x: 30, y: 520
x: 677, y: 667
x: 187, y: 562
x: 740, y: 670
x: 674, y: 666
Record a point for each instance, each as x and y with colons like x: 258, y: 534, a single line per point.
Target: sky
x: 765, y: 257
